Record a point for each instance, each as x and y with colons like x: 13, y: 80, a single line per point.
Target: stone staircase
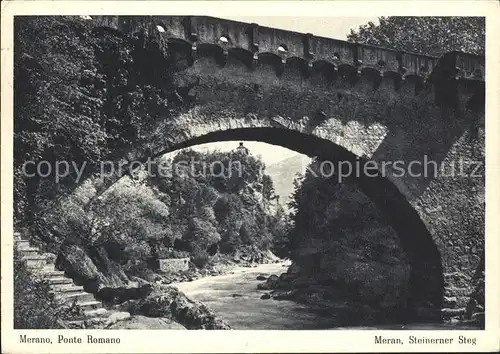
x: 456, y: 297
x: 63, y: 287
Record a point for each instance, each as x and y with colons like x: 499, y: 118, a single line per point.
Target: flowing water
x: 235, y: 298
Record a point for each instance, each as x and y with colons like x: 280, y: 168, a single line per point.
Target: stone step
x: 478, y: 317
x: 51, y: 272
x: 452, y: 291
x: 22, y: 244
x: 80, y: 297
x: 36, y: 261
x: 67, y: 288
x: 29, y: 251
x: 448, y: 313
x: 56, y: 280
x: 90, y: 305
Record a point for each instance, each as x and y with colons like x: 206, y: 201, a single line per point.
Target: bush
x: 35, y: 306
x: 200, y: 258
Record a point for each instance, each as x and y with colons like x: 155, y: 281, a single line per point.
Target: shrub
x: 200, y: 258
x: 35, y: 306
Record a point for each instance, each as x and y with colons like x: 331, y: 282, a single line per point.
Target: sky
x: 333, y: 27
x: 269, y: 153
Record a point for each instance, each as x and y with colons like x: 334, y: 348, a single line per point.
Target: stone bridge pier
x: 350, y: 102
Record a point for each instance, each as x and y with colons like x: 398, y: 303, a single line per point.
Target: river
x: 235, y: 298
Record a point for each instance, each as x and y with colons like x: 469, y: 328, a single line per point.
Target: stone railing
x: 259, y: 43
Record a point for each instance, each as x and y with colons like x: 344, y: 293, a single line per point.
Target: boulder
x: 261, y: 277
x: 91, y: 267
x: 265, y: 296
x: 282, y: 295
x: 169, y: 302
x: 300, y: 282
x: 293, y: 269
x: 272, y: 281
x: 115, y: 317
x: 122, y: 294
x: 263, y: 286
x: 143, y: 322
x: 288, y: 277
x: 141, y: 282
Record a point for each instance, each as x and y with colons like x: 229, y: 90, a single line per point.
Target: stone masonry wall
x: 373, y: 103
x: 174, y: 265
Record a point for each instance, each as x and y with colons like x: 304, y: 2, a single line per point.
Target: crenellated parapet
x: 254, y: 44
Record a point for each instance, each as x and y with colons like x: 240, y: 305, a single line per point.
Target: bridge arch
x: 425, y: 288
x: 375, y: 103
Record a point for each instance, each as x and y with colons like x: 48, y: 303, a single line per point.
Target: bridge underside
x: 349, y: 110
x: 426, y: 275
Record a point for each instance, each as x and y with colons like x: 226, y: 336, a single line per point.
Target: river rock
x: 263, y: 286
x: 282, y: 295
x: 261, y: 277
x: 293, y: 269
x: 287, y: 277
x: 300, y: 282
x: 265, y: 296
x: 272, y: 281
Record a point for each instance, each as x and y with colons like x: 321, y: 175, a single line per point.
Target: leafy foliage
x: 35, y: 306
x: 426, y: 35
x: 191, y: 211
x: 219, y: 201
x: 82, y: 94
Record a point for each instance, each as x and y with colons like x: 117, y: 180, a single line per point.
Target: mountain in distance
x: 284, y: 173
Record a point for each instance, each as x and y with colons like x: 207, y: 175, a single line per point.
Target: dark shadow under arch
x: 425, y: 292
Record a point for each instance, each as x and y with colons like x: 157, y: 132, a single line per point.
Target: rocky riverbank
x: 147, y: 299
x: 344, y: 304
x: 164, y: 307
x: 220, y: 265
x: 168, y: 305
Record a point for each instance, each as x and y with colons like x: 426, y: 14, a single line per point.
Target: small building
x: 242, y: 149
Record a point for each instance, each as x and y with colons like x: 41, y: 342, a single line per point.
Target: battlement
x: 282, y: 46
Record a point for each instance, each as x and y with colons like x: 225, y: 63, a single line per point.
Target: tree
x: 426, y: 35
x: 83, y: 95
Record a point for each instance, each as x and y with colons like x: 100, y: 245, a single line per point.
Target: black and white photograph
x: 245, y: 172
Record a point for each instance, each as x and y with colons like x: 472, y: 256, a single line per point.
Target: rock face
x: 281, y: 172
x: 98, y: 274
x: 91, y: 267
x: 346, y: 250
x: 169, y: 302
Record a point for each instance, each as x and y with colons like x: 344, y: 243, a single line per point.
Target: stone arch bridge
x: 349, y: 102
